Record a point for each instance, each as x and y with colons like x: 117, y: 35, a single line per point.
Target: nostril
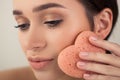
x: 36, y: 49
x: 37, y: 46
x: 42, y: 44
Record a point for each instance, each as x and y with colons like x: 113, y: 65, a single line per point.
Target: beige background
x: 11, y: 55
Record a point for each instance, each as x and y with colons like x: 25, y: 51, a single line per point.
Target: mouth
x: 39, y: 63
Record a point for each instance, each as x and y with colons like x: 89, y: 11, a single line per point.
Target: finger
x: 99, y: 68
x: 110, y: 46
x: 99, y: 77
x: 102, y: 58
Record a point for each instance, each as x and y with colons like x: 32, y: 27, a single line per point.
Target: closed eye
x: 53, y: 23
x: 23, y: 26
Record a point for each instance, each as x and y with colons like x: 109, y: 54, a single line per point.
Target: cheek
x: 63, y: 38
x: 59, y: 42
x: 67, y: 33
x: 22, y: 41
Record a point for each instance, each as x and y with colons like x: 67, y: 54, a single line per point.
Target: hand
x: 100, y: 65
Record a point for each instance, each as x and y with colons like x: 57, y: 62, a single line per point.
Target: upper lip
x: 39, y: 59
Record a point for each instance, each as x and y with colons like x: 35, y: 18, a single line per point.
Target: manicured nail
x: 81, y: 64
x: 86, y: 76
x: 83, y: 54
x: 93, y: 38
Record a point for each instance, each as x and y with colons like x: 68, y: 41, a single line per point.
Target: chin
x: 51, y: 72
x: 45, y: 75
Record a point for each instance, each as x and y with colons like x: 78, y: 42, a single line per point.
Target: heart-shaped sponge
x: 69, y: 57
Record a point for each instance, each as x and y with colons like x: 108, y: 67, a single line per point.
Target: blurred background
x: 11, y: 55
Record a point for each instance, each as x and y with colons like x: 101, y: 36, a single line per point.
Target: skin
x: 42, y: 40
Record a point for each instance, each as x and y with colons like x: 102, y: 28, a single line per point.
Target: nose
x: 36, y: 39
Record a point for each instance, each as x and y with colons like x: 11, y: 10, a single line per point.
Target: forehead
x: 30, y: 4
x: 43, y: 1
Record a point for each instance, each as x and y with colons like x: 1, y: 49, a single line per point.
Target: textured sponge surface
x: 69, y: 57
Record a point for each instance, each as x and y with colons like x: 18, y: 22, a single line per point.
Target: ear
x: 103, y: 23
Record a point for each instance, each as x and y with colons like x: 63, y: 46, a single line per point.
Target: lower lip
x: 39, y: 65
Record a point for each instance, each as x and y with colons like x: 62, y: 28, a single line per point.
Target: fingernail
x: 81, y: 64
x: 86, y: 76
x: 83, y: 54
x: 93, y: 38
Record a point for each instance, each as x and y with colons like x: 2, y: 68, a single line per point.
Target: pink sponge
x: 69, y: 57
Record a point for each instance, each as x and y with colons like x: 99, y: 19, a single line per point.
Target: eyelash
x: 51, y: 24
x: 23, y: 26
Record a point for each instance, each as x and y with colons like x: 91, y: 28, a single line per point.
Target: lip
x: 39, y: 63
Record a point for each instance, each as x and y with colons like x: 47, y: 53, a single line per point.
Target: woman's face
x: 45, y: 28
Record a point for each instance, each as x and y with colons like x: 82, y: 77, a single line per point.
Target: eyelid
x: 21, y: 19
x: 22, y: 25
x: 60, y: 20
x: 53, y: 23
x: 51, y: 15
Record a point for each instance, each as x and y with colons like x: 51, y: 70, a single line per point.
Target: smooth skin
x: 40, y: 38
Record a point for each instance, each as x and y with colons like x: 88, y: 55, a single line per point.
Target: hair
x: 94, y: 7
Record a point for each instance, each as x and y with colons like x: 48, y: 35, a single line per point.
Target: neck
x: 68, y: 78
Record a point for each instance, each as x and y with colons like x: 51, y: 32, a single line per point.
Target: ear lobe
x: 103, y: 23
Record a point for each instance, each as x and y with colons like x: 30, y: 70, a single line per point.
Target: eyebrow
x: 40, y: 8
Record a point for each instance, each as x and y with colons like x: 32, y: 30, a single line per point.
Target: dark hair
x: 94, y: 7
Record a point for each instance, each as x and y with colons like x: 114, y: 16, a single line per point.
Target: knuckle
x: 91, y: 66
x: 95, y: 56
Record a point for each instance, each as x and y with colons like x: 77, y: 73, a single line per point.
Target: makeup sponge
x: 69, y: 57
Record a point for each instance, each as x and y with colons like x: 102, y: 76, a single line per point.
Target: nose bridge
x: 36, y: 38
x: 34, y: 33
